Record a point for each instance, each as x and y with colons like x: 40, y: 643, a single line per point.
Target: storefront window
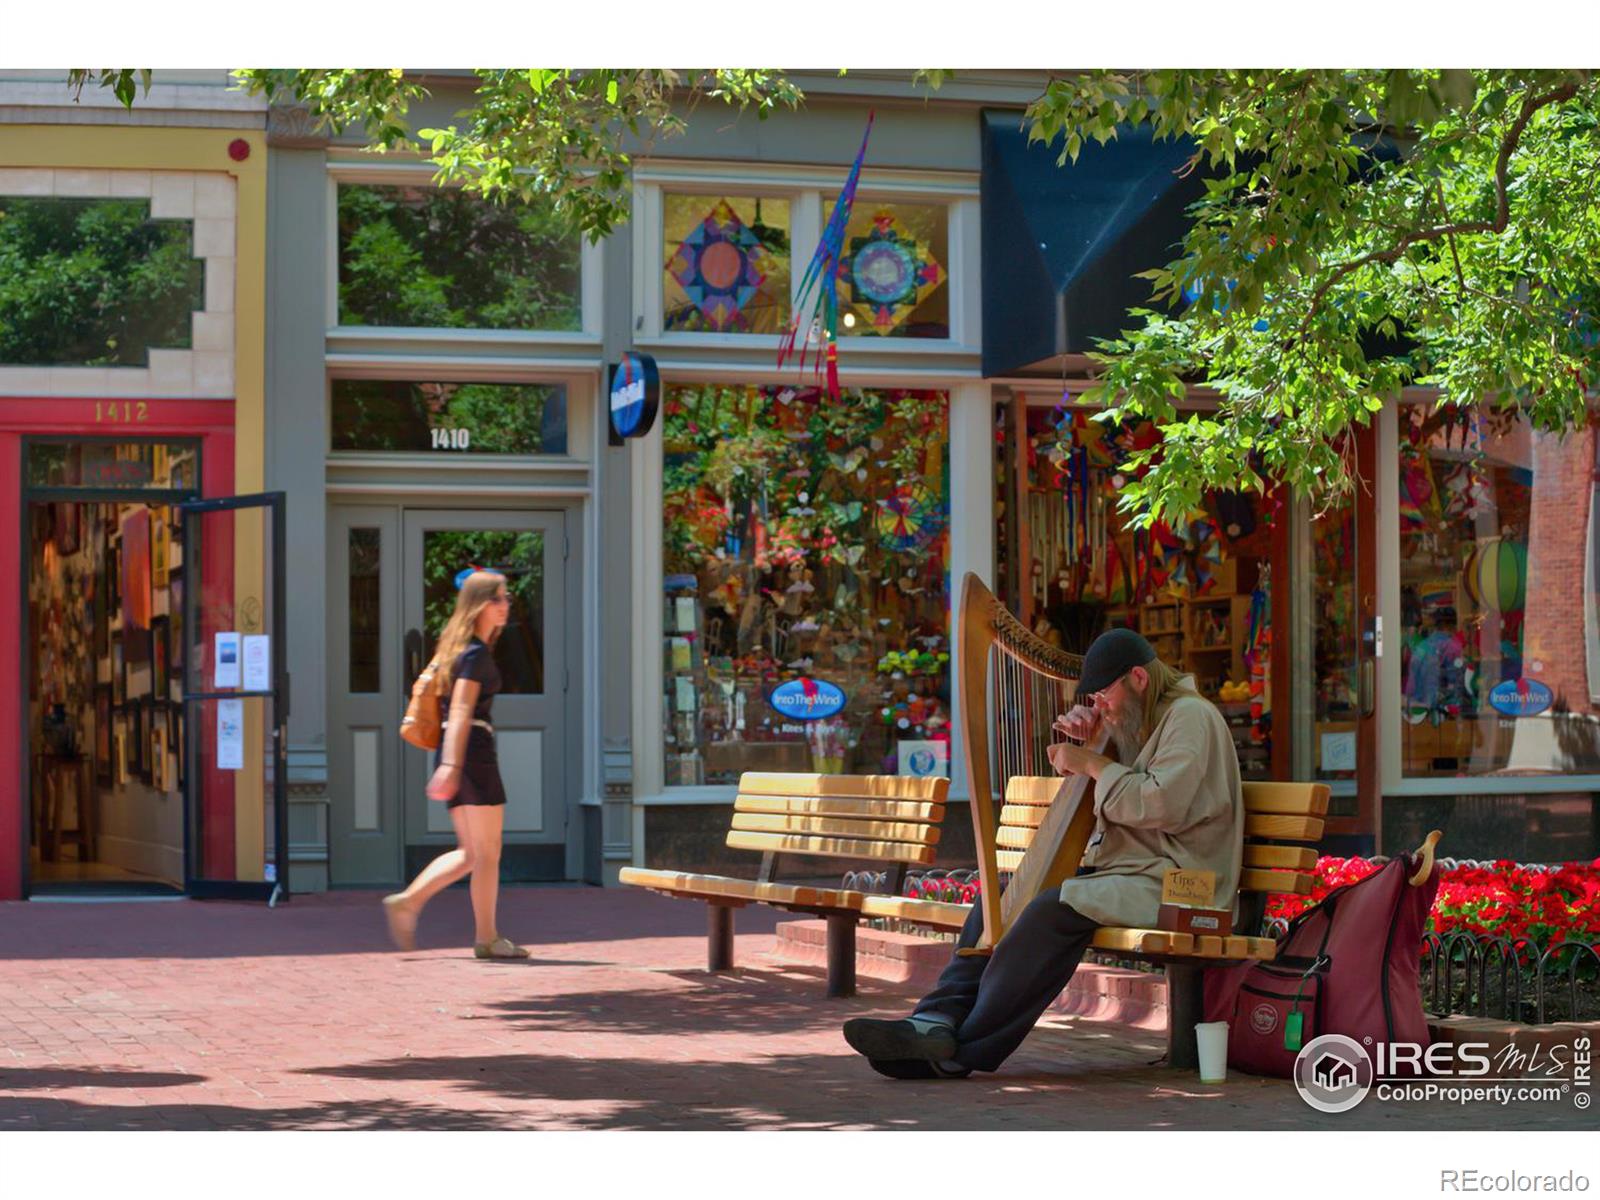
x: 727, y: 264
x: 1334, y: 649
x: 106, y: 464
x: 93, y: 283
x: 444, y: 258
x: 895, y: 278
x: 519, y: 556
x: 1494, y: 539
x: 1200, y: 588
x: 448, y: 418
x: 806, y: 597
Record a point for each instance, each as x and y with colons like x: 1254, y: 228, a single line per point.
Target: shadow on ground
x: 23, y: 1079
x: 347, y: 923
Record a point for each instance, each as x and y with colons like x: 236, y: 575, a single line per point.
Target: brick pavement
x: 210, y: 1015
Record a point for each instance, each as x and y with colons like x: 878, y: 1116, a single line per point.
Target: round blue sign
x: 807, y: 699
x: 635, y: 395
x: 1520, y: 697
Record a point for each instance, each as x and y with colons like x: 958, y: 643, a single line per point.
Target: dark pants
x: 995, y: 1001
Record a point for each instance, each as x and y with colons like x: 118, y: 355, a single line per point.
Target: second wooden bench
x: 888, y: 820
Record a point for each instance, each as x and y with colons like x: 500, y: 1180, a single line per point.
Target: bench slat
x: 698, y: 887
x: 1008, y: 860
x: 1019, y: 815
x: 1287, y: 799
x: 1287, y: 858
x: 842, y: 806
x: 1291, y: 883
x: 1294, y: 829
x: 872, y: 831
x: 941, y: 914
x: 1013, y: 837
x: 1034, y: 790
x: 871, y: 787
x: 795, y: 843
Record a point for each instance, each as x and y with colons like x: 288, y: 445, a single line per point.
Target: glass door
x: 530, y: 713
x: 235, y: 698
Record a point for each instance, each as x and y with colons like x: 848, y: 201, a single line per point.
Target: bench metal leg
x: 1185, y: 1010
x: 719, y: 937
x: 842, y: 954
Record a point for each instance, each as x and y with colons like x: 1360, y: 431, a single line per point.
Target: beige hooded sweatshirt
x: 1177, y: 806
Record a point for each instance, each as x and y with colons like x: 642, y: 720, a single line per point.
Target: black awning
x: 1061, y: 245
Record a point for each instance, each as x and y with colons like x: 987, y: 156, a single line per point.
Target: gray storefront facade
x: 366, y: 407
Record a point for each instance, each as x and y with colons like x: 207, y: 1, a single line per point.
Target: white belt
x: 479, y: 724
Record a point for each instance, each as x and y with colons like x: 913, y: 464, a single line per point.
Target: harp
x: 1011, y: 685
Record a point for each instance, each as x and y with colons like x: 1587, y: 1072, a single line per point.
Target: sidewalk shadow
x: 744, y: 1000
x: 16, y: 1115
x: 341, y: 922
x: 16, y: 1079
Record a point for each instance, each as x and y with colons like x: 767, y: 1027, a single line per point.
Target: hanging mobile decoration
x: 817, y: 300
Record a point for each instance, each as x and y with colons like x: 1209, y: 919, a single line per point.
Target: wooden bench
x: 1279, y: 819
x: 885, y: 819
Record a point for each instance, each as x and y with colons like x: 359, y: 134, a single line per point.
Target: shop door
x: 366, y: 697
x: 1338, y: 706
x: 391, y: 580
x: 235, y: 698
x: 530, y: 718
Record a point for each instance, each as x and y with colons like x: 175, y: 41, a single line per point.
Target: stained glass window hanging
x: 727, y: 264
x: 894, y: 280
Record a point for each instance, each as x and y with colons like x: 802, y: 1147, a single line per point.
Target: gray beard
x: 1125, y: 731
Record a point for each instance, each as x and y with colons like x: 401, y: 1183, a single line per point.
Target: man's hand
x: 1068, y: 759
x: 1081, y: 724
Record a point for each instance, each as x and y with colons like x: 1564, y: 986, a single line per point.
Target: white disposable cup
x: 1212, y: 1038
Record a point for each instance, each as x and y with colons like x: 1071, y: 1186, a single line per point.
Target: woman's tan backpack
x: 420, y: 725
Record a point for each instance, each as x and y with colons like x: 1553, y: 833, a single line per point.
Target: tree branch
x: 1508, y: 146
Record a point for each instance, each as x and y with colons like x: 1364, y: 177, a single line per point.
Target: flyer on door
x: 227, y: 675
x: 258, y: 662
x: 230, y: 735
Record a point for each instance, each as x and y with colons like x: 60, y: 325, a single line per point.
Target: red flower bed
x: 1501, y: 900
x: 1532, y: 904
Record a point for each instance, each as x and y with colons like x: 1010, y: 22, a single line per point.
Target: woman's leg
x: 442, y: 871
x: 403, y: 908
x: 484, y: 825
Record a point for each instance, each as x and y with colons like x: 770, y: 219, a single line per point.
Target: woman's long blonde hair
x: 475, y: 596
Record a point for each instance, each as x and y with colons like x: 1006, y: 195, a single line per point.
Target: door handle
x: 412, y: 666
x: 1368, y: 687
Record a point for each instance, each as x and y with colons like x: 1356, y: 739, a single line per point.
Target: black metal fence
x: 1481, y: 975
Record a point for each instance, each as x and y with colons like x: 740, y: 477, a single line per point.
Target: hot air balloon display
x: 1495, y: 574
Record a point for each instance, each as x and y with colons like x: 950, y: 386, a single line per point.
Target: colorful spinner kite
x: 817, y: 301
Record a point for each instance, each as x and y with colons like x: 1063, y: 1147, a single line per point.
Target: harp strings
x: 1026, y: 703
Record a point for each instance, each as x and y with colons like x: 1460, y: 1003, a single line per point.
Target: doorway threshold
x: 99, y: 893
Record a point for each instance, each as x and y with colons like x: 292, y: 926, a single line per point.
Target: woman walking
x: 466, y: 771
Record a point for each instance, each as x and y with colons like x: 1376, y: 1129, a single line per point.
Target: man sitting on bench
x: 1177, y: 805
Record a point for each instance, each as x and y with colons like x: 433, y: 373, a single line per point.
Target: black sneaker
x: 915, y: 1068
x: 894, y: 1040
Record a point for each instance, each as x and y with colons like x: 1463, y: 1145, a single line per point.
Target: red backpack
x: 1349, y: 965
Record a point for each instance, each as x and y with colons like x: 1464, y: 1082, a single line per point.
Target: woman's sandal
x: 402, y: 922
x: 501, y: 947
